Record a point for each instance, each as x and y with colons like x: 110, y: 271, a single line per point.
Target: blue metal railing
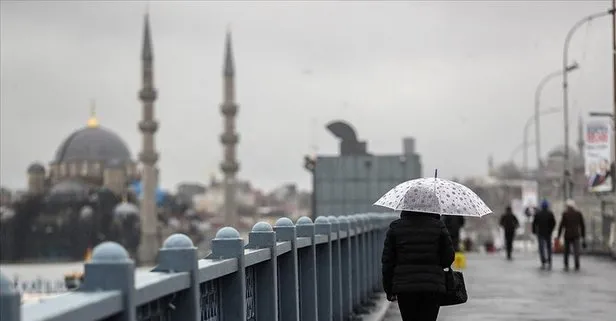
x: 317, y: 271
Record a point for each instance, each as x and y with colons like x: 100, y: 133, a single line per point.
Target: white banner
x: 529, y: 194
x: 598, y: 140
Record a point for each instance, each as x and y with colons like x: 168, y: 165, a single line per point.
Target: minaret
x: 148, y: 246
x: 229, y: 137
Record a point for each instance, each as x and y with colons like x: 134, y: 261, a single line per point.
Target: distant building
x: 352, y: 181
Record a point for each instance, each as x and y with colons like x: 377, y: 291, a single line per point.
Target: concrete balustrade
x: 326, y: 270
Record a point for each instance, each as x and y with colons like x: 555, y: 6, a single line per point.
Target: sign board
x: 598, y: 140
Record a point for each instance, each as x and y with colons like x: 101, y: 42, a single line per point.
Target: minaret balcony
x: 148, y: 157
x: 148, y: 126
x: 229, y: 167
x: 229, y: 138
x: 147, y: 94
x: 229, y: 109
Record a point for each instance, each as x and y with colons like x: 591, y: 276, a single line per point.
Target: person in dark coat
x: 543, y: 226
x: 417, y: 248
x: 454, y: 224
x: 509, y: 223
x: 572, y: 222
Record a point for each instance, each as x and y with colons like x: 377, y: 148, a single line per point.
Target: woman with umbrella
x: 418, y: 246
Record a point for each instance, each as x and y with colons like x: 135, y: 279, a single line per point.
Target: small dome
x: 93, y: 144
x: 560, y: 152
x: 125, y: 209
x: 86, y: 212
x: 68, y: 191
x: 36, y: 168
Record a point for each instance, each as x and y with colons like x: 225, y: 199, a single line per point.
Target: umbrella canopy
x: 434, y: 195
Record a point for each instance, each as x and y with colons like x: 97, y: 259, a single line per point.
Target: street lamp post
x: 534, y: 119
x: 566, y: 165
x: 538, y: 92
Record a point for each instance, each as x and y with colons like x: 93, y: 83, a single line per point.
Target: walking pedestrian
x: 510, y: 224
x: 572, y: 222
x: 543, y: 227
x: 417, y: 248
x: 454, y: 224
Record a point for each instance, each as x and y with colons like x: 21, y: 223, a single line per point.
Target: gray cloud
x: 459, y: 76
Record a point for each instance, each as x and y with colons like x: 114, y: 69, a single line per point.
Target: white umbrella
x: 434, y: 195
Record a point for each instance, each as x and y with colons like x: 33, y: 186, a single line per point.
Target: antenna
x: 435, y: 173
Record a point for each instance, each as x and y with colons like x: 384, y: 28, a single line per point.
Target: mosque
x: 95, y: 190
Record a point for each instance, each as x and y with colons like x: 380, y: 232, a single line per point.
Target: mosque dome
x: 36, y: 168
x: 92, y: 143
x: 125, y: 209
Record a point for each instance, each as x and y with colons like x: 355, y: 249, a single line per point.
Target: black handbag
x: 455, y: 288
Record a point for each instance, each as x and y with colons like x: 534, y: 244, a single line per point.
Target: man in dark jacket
x: 543, y: 227
x: 454, y: 224
x: 417, y: 248
x: 572, y: 222
x: 509, y: 223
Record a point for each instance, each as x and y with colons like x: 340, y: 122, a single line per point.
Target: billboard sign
x: 598, y: 141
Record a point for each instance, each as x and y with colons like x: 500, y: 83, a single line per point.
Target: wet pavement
x: 500, y: 290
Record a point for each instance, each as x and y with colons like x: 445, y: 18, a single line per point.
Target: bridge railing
x: 323, y: 270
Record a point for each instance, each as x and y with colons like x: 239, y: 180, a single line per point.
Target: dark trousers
x: 419, y: 306
x: 545, y: 249
x: 509, y: 236
x: 575, y: 244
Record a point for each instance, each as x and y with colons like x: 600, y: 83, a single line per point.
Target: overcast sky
x: 458, y: 76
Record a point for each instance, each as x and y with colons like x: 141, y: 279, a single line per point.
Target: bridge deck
x: 517, y: 291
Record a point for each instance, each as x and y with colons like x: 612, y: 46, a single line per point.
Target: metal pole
x: 529, y: 122
x: 566, y: 165
x: 614, y: 60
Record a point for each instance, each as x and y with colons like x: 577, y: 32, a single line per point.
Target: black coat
x: 417, y: 248
x: 509, y: 222
x: 544, y: 223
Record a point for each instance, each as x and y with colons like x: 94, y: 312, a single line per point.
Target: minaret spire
x: 229, y: 68
x: 229, y: 137
x: 149, y: 179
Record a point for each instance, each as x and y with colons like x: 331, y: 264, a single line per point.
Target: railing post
x: 324, y: 269
x: 346, y: 278
x: 288, y: 285
x: 112, y: 269
x: 229, y: 245
x: 10, y: 301
x: 369, y: 254
x: 336, y: 270
x: 307, y: 272
x: 263, y: 236
x: 179, y: 254
x: 376, y: 251
x: 356, y: 264
x: 363, y: 260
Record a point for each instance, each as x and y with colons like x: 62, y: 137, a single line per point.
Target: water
x: 45, y: 278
